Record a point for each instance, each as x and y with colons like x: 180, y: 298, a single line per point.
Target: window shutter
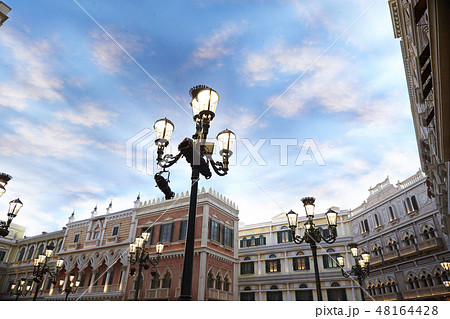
x: 252, y: 268
x: 242, y: 243
x: 307, y: 263
x: 209, y: 229
x: 232, y: 237
x: 264, y: 240
x: 290, y: 236
x: 257, y: 242
x: 295, y: 263
x: 325, y: 261
x: 222, y: 230
x: 171, y: 232
x: 242, y: 268
x: 278, y: 266
x: 279, y: 237
x: 160, y: 232
x: 267, y: 266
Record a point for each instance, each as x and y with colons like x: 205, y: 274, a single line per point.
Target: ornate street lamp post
x: 198, y: 154
x: 313, y: 235
x: 71, y: 286
x: 21, y: 289
x: 41, y: 268
x: 361, y: 268
x: 14, y: 206
x: 138, y: 254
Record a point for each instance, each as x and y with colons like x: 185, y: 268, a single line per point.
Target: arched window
x: 274, y: 295
x: 210, y: 280
x: 247, y: 267
x: 2, y: 254
x: 284, y: 236
x: 155, y: 281
x: 329, y: 259
x: 408, y: 203
x: 304, y: 294
x: 300, y: 262
x: 262, y: 240
x: 408, y: 239
x: 21, y: 254
x: 335, y: 293
x: 167, y: 280
x: 30, y: 253
x: 253, y: 241
x: 218, y: 282
x: 247, y: 295
x: 391, y: 213
x: 244, y: 242
x: 428, y: 232
x: 415, y: 206
x: 377, y: 220
x: 226, y: 284
x: 40, y: 249
x: 273, y: 264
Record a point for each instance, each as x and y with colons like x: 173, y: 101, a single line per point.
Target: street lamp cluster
x: 446, y: 266
x: 198, y: 153
x: 361, y: 268
x: 14, y: 206
x: 138, y: 254
x: 70, y: 288
x: 41, y: 268
x: 312, y: 234
x: 20, y: 289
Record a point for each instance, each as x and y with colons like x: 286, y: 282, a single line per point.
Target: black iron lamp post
x: 138, y: 254
x: 313, y: 235
x: 14, y: 206
x: 41, y: 268
x: 198, y: 154
x: 21, y: 289
x: 446, y: 266
x: 71, y: 286
x: 361, y: 269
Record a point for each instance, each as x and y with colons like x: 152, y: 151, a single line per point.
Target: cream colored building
x: 400, y: 226
x: 272, y: 267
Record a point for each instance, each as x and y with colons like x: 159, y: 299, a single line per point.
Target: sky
x: 315, y: 92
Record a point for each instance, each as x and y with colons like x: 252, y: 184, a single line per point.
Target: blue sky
x: 80, y: 78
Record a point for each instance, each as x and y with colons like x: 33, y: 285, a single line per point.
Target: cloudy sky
x: 314, y: 90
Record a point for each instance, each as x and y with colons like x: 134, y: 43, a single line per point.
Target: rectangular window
x: 247, y: 268
x: 183, y: 230
x: 82, y: 279
x: 228, y: 236
x: 76, y: 238
x: 115, y: 230
x: 165, y: 233
x: 274, y: 296
x: 301, y: 263
x: 284, y: 236
x: 96, y: 235
x: 2, y: 255
x: 273, y: 266
x: 247, y: 296
x: 111, y: 277
x: 214, y: 231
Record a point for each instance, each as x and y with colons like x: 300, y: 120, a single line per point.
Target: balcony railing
x: 160, y: 293
x: 425, y: 292
x: 375, y: 260
x: 91, y: 243
x: 219, y: 294
x: 411, y: 249
x: 430, y: 243
x: 72, y: 246
x: 390, y: 255
x: 111, y: 240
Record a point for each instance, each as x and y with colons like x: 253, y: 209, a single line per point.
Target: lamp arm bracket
x: 168, y: 160
x: 298, y: 239
x: 218, y: 167
x: 344, y: 273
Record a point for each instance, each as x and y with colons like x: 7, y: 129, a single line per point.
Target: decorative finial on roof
x: 72, y: 217
x: 139, y: 196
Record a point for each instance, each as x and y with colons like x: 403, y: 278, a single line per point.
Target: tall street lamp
x: 21, y: 289
x: 14, y: 206
x: 138, y: 254
x: 71, y: 286
x: 313, y: 235
x: 41, y: 268
x: 446, y: 266
x: 198, y: 153
x: 360, y: 269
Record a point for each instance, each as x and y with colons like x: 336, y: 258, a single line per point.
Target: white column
x: 202, y: 276
x: 205, y: 219
x: 91, y: 282
x: 108, y: 274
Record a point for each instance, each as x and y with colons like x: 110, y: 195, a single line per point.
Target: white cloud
x: 108, y: 55
x: 32, y: 71
x: 218, y: 44
x: 88, y: 114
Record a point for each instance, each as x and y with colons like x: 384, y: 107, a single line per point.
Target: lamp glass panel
x: 61, y: 282
x: 366, y: 257
x: 226, y: 140
x: 41, y: 258
x: 206, y: 100
x: 292, y: 218
x: 132, y: 248
x: 139, y: 242
x: 13, y: 286
x: 445, y: 265
x: 340, y: 261
x: 48, y: 252
x: 2, y: 190
x: 77, y: 283
x: 36, y: 261
x: 331, y: 218
x: 59, y: 263
x: 159, y: 248
x: 14, y: 207
x: 163, y: 129
x: 362, y: 263
x: 354, y: 251
x: 146, y: 236
x: 309, y: 209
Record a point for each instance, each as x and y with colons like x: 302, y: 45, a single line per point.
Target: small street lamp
x: 361, y: 268
x: 313, y: 235
x: 446, y: 266
x: 198, y: 153
x: 138, y: 254
x: 71, y: 286
x: 21, y: 289
x: 41, y: 268
x: 14, y: 205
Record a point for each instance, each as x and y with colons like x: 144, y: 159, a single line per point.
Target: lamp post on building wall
x: 21, y: 289
x: 198, y: 154
x: 71, y: 286
x: 361, y: 268
x: 4, y: 9
x: 41, y: 268
x: 14, y: 206
x: 138, y: 254
x: 313, y: 235
x: 446, y: 266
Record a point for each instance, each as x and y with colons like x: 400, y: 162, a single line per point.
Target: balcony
x: 387, y: 297
x: 111, y: 240
x: 408, y: 250
x: 91, y: 243
x: 72, y: 246
x: 390, y: 255
x: 160, y: 293
x: 375, y: 260
x: 216, y: 294
x: 431, y: 243
x: 425, y: 292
